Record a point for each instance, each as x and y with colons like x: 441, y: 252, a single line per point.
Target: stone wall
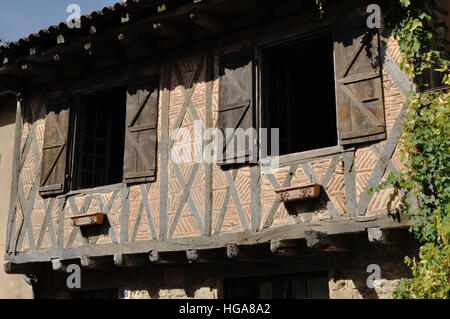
x: 350, y: 281
x: 207, y: 289
x: 347, y: 281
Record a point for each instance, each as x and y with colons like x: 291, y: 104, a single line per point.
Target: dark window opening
x: 100, y: 137
x: 299, y: 94
x: 296, y: 286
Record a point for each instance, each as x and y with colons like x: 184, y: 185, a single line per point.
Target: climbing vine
x: 424, y: 182
x: 425, y: 146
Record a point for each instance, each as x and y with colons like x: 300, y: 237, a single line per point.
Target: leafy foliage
x: 424, y: 144
x: 425, y: 147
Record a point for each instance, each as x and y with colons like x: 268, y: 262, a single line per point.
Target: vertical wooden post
x: 208, y: 124
x: 350, y: 183
x: 164, y: 146
x: 15, y: 175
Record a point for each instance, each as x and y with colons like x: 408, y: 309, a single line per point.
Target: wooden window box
x: 298, y: 192
x: 88, y: 219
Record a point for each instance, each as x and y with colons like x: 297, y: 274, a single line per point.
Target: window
x: 299, y: 94
x: 99, y: 139
x: 296, y: 286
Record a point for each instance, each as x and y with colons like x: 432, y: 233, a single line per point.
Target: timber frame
x: 256, y: 224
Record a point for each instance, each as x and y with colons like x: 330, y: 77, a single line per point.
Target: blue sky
x: 19, y: 18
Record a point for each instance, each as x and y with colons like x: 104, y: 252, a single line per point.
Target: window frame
x: 284, y: 159
x: 73, y: 140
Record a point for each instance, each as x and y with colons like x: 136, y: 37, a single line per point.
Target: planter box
x: 88, y: 219
x: 298, y: 192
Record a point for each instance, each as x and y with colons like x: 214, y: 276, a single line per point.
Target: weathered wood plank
x: 255, y: 197
x: 61, y: 216
x: 146, y: 206
x: 124, y: 214
x: 297, y: 231
x: 382, y: 163
x: 15, y: 177
x: 209, y: 95
x: 164, y: 147
x: 395, y: 73
x: 47, y: 223
x: 350, y: 183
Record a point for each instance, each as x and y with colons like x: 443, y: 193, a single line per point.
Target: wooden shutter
x: 359, y: 91
x: 54, y: 155
x: 141, y: 131
x: 236, y: 102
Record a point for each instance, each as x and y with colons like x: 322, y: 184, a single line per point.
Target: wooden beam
x: 58, y: 265
x: 33, y: 268
x: 102, y: 50
x: 110, y: 33
x: 206, y: 21
x: 171, y: 32
x: 172, y: 246
x: 94, y: 263
x: 135, y: 260
x: 247, y: 252
x: 284, y: 247
x: 202, y: 256
x: 175, y: 257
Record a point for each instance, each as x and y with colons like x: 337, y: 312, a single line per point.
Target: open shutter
x: 54, y: 155
x: 359, y: 93
x: 236, y: 106
x: 141, y: 131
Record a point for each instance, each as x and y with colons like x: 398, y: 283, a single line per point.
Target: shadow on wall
x: 7, y: 111
x: 387, y: 260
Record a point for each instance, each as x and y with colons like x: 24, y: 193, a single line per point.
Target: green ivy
x: 425, y: 149
x: 424, y: 145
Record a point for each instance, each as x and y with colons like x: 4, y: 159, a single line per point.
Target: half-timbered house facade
x: 95, y: 182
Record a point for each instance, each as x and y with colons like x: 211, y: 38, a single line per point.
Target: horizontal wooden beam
x: 156, y: 257
x: 122, y: 260
x: 284, y: 247
x: 171, y: 32
x: 202, y: 256
x: 207, y: 21
x: 32, y: 268
x: 297, y: 231
x: 95, y: 263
